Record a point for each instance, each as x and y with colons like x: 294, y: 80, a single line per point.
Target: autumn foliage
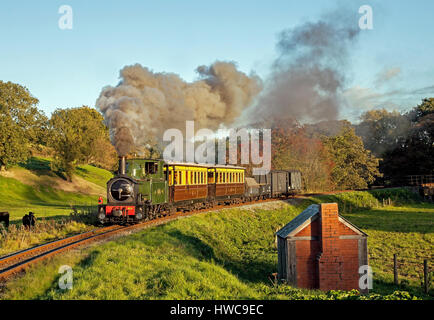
x: 292, y: 148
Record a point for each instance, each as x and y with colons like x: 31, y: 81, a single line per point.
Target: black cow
x: 4, y: 217
x: 29, y: 220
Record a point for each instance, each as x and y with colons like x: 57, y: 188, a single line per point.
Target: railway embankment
x: 231, y: 254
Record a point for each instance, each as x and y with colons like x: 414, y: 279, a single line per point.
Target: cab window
x: 151, y: 167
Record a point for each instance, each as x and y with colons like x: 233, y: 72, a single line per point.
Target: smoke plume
x: 144, y: 104
x: 308, y: 77
x: 306, y: 83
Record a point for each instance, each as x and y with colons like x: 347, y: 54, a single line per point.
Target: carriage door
x: 211, y: 184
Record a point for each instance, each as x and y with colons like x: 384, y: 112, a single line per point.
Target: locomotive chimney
x: 122, y: 165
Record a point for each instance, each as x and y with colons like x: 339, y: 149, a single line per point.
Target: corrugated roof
x: 307, y: 214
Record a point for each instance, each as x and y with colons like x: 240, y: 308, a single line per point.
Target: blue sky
x: 68, y: 68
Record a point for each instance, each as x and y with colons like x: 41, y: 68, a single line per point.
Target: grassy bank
x: 230, y: 254
x: 34, y: 187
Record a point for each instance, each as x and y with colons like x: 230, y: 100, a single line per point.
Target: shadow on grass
x: 247, y: 270
x: 41, y: 167
x: 387, y: 288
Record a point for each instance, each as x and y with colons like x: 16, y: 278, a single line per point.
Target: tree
x: 354, y: 166
x: 21, y: 123
x: 292, y: 148
x: 424, y: 109
x: 414, y: 153
x: 381, y: 130
x: 79, y: 136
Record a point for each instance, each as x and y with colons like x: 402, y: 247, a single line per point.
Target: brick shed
x: 319, y: 249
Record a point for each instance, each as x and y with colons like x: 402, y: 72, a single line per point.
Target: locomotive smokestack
x: 122, y: 165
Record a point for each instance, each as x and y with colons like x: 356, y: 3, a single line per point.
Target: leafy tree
x: 424, y: 109
x: 354, y: 166
x: 78, y: 136
x: 293, y: 148
x: 381, y: 130
x: 21, y: 123
x: 413, y: 154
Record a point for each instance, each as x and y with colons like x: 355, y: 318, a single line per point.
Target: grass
x: 93, y: 174
x: 20, y: 197
x: 18, y: 238
x: 230, y: 254
x: 32, y: 186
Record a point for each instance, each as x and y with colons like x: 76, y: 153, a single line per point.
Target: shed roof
x: 299, y: 220
x: 306, y: 217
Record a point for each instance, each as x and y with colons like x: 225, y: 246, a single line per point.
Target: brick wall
x: 338, y: 260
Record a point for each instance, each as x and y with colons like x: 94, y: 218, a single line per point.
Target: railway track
x: 19, y: 261
x: 16, y: 262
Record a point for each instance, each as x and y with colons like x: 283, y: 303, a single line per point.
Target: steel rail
x: 19, y: 261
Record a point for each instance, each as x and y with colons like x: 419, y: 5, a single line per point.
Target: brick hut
x: 319, y: 249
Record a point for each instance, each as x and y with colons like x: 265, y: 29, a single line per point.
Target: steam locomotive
x: 145, y: 189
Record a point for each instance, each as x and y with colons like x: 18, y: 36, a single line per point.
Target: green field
x: 33, y: 187
x: 230, y: 254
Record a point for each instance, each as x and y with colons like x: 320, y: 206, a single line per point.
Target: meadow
x: 33, y: 186
x: 231, y: 254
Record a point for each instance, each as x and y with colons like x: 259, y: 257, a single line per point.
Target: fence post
x: 395, y: 269
x: 425, y: 275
